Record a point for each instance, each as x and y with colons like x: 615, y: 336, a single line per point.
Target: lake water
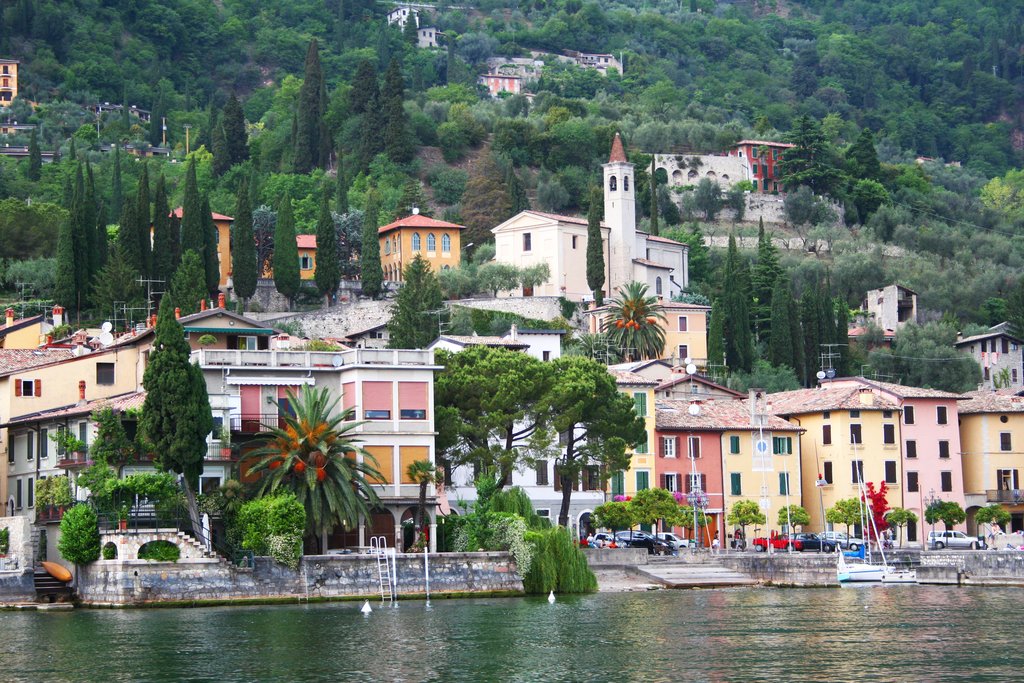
x: 894, y: 633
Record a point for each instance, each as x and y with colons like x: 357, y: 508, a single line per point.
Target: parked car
x: 642, y: 539
x: 799, y: 542
x: 676, y: 542
x: 937, y: 540
x: 845, y: 542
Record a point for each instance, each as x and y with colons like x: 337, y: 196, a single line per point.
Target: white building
x: 426, y: 36
x: 401, y: 14
x: 892, y: 307
x: 533, y: 237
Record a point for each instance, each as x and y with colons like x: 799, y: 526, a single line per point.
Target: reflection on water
x: 896, y: 633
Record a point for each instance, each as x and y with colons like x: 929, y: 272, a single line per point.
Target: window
x: 44, y: 444
x: 1005, y: 441
x: 826, y: 434
x: 911, y: 449
x: 640, y: 403
x: 30, y: 446
x: 28, y: 387
x: 306, y: 261
x: 857, y: 471
x: 908, y: 415
x: 17, y: 494
x: 693, y: 446
x: 377, y: 414
x: 10, y: 455
x: 683, y: 323
x: 684, y: 351
x: 31, y: 493
x: 415, y: 241
x: 612, y: 184
x: 827, y: 415
x: 542, y: 473
x: 574, y: 241
x: 641, y: 446
x: 446, y: 243
x: 947, y: 481
x: 657, y: 285
x: 782, y: 445
x: 889, y: 434
x: 591, y: 478
x: 105, y: 373
x: 543, y: 512
x: 668, y: 446
x: 431, y: 242
x: 854, y: 413
x: 696, y: 482
x: 734, y: 444
x: 412, y: 414
x: 912, y: 485
x: 735, y: 484
x: 1007, y: 480
x: 387, y: 250
x: 1006, y: 345
x: 83, y: 433
x: 855, y: 436
x: 1013, y: 375
x: 940, y: 415
x: 618, y: 484
x: 625, y: 183
x: 890, y: 471
x: 545, y: 355
x: 827, y: 471
x: 527, y: 243
x: 943, y: 449
x: 886, y: 414
x: 783, y: 483
x: 643, y: 480
x: 247, y: 343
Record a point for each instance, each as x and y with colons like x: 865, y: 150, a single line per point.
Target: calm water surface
x: 896, y: 633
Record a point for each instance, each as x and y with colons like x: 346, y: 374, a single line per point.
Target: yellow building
x: 852, y: 434
x: 8, y: 80
x: 439, y: 242
x: 26, y: 333
x: 685, y: 326
x: 223, y: 225
x: 307, y: 256
x: 992, y: 441
x: 641, y: 473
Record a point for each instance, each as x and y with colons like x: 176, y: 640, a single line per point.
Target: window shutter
x: 675, y: 446
x: 704, y: 483
x: 39, y: 387
x: 558, y: 479
x: 17, y: 387
x: 661, y: 446
x: 664, y: 481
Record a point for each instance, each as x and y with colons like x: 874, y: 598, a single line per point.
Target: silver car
x: 843, y: 540
x: 674, y: 541
x: 937, y: 540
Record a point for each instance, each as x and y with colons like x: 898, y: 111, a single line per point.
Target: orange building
x: 223, y: 224
x: 437, y: 241
x: 8, y: 80
x: 307, y: 256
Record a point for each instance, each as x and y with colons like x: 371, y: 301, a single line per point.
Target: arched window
x: 446, y: 243
x: 415, y: 241
x: 625, y: 183
x: 387, y: 246
x: 612, y: 185
x: 657, y: 286
x: 431, y: 242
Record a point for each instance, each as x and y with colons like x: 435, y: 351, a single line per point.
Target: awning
x: 270, y: 381
x: 242, y: 331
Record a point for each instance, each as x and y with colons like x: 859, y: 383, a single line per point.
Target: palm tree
x: 635, y: 323
x: 421, y: 472
x: 597, y: 347
x: 314, y: 455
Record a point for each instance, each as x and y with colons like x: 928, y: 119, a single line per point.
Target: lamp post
x: 188, y: 127
x: 932, y: 501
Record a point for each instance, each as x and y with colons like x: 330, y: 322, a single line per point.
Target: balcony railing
x: 249, y: 423
x: 312, y: 359
x: 73, y: 460
x: 49, y: 513
x: 1012, y: 496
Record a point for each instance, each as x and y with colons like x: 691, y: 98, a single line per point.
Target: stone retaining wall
x: 133, y: 582
x: 17, y: 586
x: 978, y: 567
x: 781, y: 569
x: 615, y: 557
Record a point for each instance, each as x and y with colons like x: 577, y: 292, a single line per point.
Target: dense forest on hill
x: 866, y: 87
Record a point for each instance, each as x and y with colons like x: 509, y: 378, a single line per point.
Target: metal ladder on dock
x: 387, y: 573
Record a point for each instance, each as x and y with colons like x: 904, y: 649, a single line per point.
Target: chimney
x: 221, y: 301
x: 177, y: 314
x: 866, y: 396
x: 202, y: 304
x: 81, y: 391
x: 755, y: 397
x: 58, y: 316
x: 514, y: 332
x: 10, y: 316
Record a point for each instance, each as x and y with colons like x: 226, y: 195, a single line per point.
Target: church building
x: 532, y: 237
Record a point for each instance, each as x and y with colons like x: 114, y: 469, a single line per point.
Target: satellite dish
x: 694, y: 409
x: 337, y: 361
x: 691, y: 369
x: 106, y: 327
x: 820, y: 375
x: 687, y: 361
x: 106, y: 339
x: 831, y: 373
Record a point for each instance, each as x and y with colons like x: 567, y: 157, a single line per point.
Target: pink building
x: 499, y: 83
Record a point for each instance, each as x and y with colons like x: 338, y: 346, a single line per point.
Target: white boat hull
x: 852, y: 573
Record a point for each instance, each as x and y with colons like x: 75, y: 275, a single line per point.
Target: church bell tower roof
x: 618, y: 152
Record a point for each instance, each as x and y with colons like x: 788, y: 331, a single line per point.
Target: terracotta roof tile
x: 822, y: 399
x: 418, y: 220
x: 618, y: 152
x: 216, y: 216
x: 631, y: 378
x: 305, y: 241
x: 715, y: 415
x: 15, y: 360
x: 987, y: 401
x: 908, y: 392
x: 119, y: 404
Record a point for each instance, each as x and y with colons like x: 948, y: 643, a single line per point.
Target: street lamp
x: 694, y: 497
x: 932, y: 502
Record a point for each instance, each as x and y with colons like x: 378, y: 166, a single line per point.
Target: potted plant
x: 122, y: 518
x: 225, y: 442
x: 5, y: 541
x: 67, y: 443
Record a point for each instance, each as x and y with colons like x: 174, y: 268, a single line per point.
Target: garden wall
x: 134, y: 582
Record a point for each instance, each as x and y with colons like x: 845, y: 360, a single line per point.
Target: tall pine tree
x: 780, y: 337
x: 116, y: 187
x: 328, y: 270
x: 810, y: 313
x: 243, y: 247
x: 716, y: 334
x: 35, y: 158
x: 398, y: 143
x: 165, y: 236
x: 763, y: 278
x: 311, y: 109
x: 233, y: 127
x: 211, y: 256
x: 188, y: 284
x: 286, y: 253
x: 341, y: 189
x: 739, y: 348
x: 143, y: 223
x: 370, y: 267
x: 414, y: 323
x: 221, y: 153
x: 192, y: 221
x: 595, y: 246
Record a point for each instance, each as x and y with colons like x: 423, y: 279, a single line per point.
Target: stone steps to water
x: 47, y: 586
x: 706, y: 575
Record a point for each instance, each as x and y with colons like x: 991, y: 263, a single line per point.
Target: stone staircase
x: 708, y: 574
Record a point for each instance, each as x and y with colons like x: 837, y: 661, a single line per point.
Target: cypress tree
x: 35, y: 158
x: 412, y: 198
x: 233, y: 128
x: 286, y: 254
x: 310, y: 112
x: 595, y: 247
x: 780, y: 339
x: 90, y: 256
x: 188, y: 284
x: 739, y: 350
x: 798, y: 338
x: 211, y: 257
x: 65, y: 287
x: 716, y: 334
x: 100, y: 238
x: 412, y: 326
x: 517, y: 192
x: 221, y: 153
x: 212, y: 121
x: 654, y: 199
x: 73, y: 151
x: 143, y: 223
x: 364, y: 88
x: 116, y: 188
x: 341, y: 191
x: 411, y: 36
x: 165, y: 238
x: 841, y: 336
x: 176, y: 417
x: 156, y: 120
x: 192, y: 214
x: 809, y: 322
x: 764, y: 276
x: 81, y: 225
x: 397, y: 141
x: 243, y: 247
x: 127, y: 240
x: 862, y: 158
x: 371, y: 139
x: 371, y: 270
x: 328, y: 271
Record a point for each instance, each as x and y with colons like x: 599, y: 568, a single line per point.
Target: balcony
x: 305, y: 360
x: 254, y: 423
x: 1010, y: 496
x: 49, y: 514
x: 69, y: 461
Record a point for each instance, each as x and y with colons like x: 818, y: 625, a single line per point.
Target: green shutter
x: 618, y: 484
x: 640, y: 403
x: 783, y: 483
x: 641, y: 446
x: 737, y: 488
x: 643, y: 481
x: 734, y: 444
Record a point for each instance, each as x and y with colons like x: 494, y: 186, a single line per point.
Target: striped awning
x: 269, y: 381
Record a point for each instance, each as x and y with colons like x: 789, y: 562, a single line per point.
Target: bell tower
x: 620, y: 216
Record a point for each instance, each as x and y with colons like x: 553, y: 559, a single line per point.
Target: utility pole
x: 150, y: 292
x: 188, y: 127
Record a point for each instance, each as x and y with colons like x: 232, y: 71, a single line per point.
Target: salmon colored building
x: 439, y: 242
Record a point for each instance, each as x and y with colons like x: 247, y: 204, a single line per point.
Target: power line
x: 959, y: 357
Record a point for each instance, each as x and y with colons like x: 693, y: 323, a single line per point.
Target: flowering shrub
x: 285, y: 548
x: 509, y: 533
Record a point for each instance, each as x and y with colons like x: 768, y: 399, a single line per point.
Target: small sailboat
x: 864, y: 570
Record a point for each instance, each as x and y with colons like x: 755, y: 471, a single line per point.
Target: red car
x: 798, y: 542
